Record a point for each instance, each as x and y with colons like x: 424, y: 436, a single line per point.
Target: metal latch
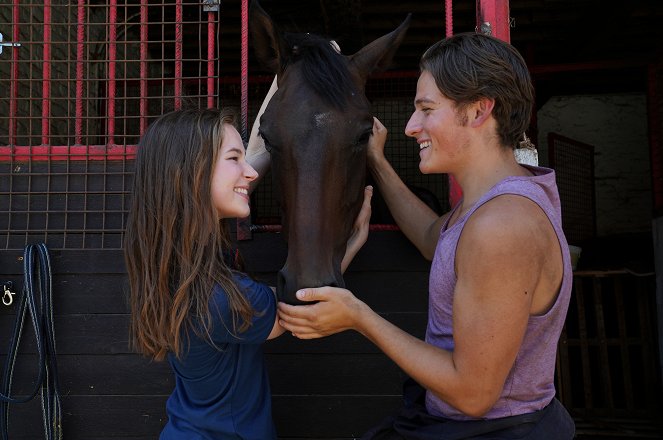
x: 7, y: 44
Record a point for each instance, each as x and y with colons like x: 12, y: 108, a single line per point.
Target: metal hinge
x: 7, y: 44
x: 486, y: 28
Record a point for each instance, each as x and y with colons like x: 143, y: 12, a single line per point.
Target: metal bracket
x: 7, y: 44
x: 211, y: 5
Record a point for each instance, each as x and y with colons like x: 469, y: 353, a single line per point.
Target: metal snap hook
x: 8, y: 296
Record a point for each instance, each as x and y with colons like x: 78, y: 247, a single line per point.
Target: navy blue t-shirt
x: 223, y: 392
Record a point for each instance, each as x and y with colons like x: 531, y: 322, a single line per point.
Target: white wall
x: 616, y: 125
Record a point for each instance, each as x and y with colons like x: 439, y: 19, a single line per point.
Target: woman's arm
x: 277, y: 330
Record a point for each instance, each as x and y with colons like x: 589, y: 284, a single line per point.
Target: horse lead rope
x: 42, y: 321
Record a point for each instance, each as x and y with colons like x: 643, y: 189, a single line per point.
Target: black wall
x: 332, y: 388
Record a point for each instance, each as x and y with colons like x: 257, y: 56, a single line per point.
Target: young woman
x: 188, y: 304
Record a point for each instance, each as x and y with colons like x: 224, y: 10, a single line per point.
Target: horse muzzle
x: 289, y: 282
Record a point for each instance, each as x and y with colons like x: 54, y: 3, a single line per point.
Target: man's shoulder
x: 505, y: 223
x: 507, y: 212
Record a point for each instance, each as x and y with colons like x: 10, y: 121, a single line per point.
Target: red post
x: 46, y: 79
x: 211, y: 40
x: 493, y: 18
x: 448, y: 18
x: 13, y: 85
x: 244, y: 224
x: 80, y: 71
x: 112, y: 64
x: 245, y: 70
x: 179, y: 17
x: 143, y: 67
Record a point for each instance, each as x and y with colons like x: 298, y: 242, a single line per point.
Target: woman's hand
x: 336, y: 310
x: 359, y: 230
x: 375, y: 150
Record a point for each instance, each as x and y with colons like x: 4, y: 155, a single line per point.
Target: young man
x: 500, y: 277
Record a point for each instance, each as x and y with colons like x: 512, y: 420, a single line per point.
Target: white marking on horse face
x: 322, y: 119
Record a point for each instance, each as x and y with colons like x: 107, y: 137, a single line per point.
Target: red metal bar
x: 80, y: 54
x: 143, y: 67
x: 211, y: 40
x: 13, y: 85
x: 66, y: 152
x: 278, y: 228
x: 178, y: 54
x: 494, y: 14
x: 46, y: 79
x: 244, y: 231
x: 448, y: 18
x: 245, y: 70
x: 112, y: 57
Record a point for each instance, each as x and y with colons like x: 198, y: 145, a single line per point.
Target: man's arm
x: 420, y: 224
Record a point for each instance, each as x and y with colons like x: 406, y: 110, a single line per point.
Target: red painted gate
x: 79, y: 82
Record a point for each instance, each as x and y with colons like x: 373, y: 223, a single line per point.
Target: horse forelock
x: 322, y: 68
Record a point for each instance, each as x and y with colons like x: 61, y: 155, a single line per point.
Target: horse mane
x: 324, y: 69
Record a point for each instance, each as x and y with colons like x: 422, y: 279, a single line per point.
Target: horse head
x: 316, y: 128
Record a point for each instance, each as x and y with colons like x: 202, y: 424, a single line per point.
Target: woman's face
x: 231, y: 177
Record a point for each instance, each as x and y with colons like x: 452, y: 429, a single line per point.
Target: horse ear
x: 266, y: 37
x: 377, y: 56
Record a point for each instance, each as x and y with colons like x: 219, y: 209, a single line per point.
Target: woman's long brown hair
x: 174, y: 241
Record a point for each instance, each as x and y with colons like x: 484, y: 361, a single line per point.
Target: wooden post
x: 657, y: 226
x: 655, y: 123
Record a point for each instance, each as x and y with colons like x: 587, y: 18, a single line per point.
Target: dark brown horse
x: 316, y: 128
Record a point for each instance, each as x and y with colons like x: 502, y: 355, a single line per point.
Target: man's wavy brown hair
x: 174, y: 241
x: 470, y: 66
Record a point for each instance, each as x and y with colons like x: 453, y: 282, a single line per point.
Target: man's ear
x: 480, y: 111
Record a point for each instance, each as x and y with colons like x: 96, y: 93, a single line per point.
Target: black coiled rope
x: 37, y: 278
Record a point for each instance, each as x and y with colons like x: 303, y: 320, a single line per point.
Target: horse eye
x: 268, y: 145
x: 363, y: 139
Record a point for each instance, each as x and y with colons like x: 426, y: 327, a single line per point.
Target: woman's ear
x: 481, y: 111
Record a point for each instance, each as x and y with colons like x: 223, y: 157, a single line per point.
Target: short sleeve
x: 263, y: 301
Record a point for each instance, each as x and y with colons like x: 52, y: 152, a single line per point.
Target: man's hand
x: 375, y: 150
x: 336, y: 310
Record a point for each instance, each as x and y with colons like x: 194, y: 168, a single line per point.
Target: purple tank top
x: 530, y: 383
